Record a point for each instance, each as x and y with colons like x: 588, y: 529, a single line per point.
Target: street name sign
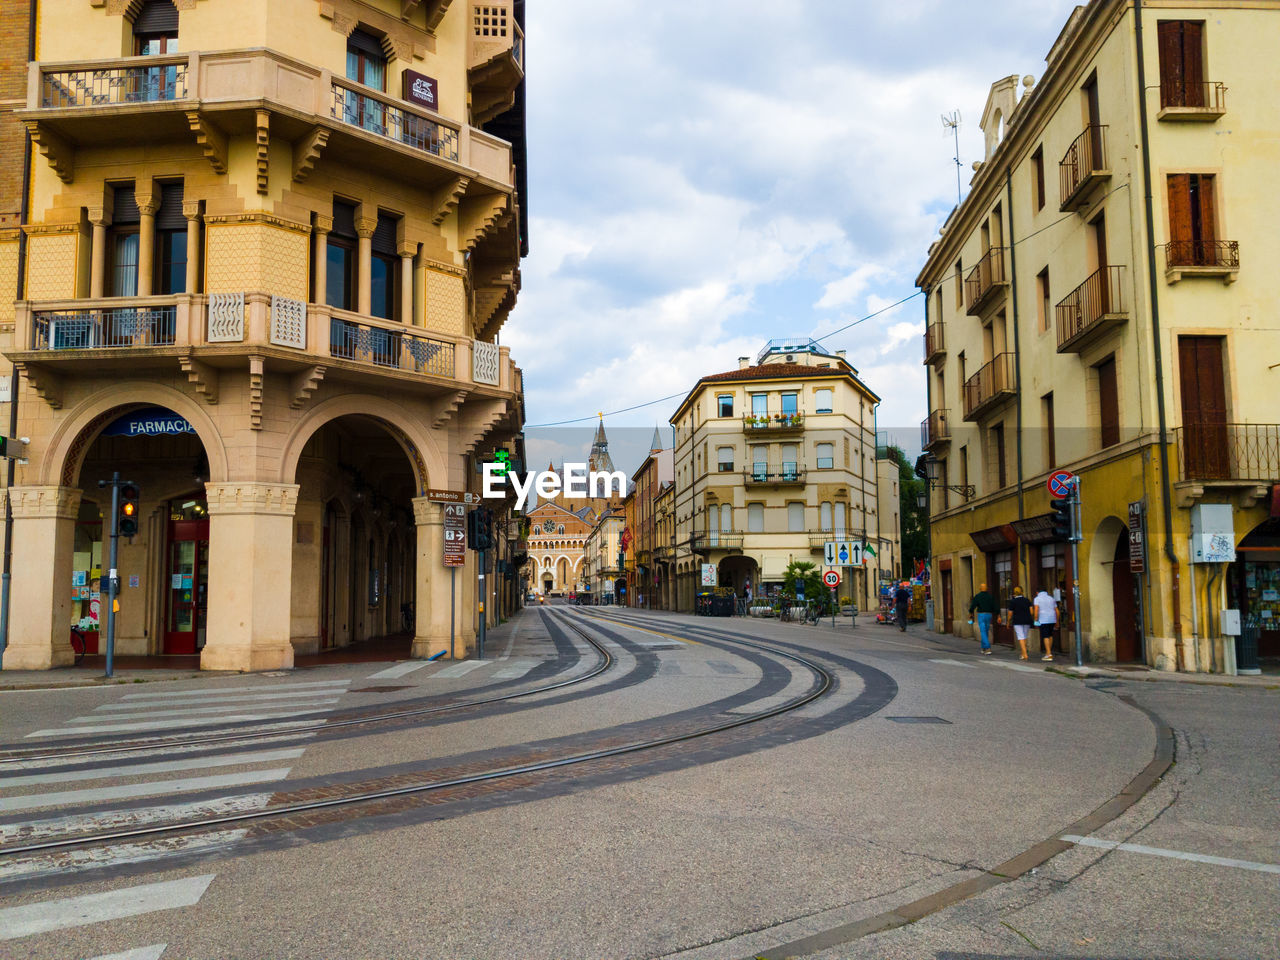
x: 452, y: 496
x: 843, y: 553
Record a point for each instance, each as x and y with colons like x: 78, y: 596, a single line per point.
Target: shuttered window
x: 1108, y: 403
x: 1181, y: 45
x: 122, y: 243
x: 1037, y: 178
x: 171, y: 242
x: 1192, y: 217
x: 340, y: 258
x: 1202, y: 383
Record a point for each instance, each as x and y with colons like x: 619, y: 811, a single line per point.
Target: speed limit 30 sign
x: 831, y: 578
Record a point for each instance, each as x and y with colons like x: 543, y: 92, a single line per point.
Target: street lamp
x: 933, y: 473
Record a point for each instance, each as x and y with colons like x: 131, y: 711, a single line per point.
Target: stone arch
x: 419, y: 446
x: 70, y: 442
x: 1101, y: 616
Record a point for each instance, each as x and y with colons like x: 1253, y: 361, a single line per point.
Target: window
x: 1037, y: 178
x: 725, y: 404
x: 340, y: 258
x: 1044, y: 311
x: 755, y: 518
x: 825, y: 454
x: 1108, y: 402
x: 759, y: 404
x: 726, y: 517
x: 1050, y: 442
x: 366, y: 64
x: 959, y: 278
x: 790, y: 403
x: 1191, y: 220
x: 122, y: 243
x: 171, y: 242
x: 790, y: 467
x: 385, y: 270
x: 155, y: 32
x: 822, y: 400
x: 795, y: 517
x: 997, y: 455
x: 943, y: 493
x: 760, y: 463
x: 840, y: 512
x: 964, y: 467
x: 824, y: 517
x: 1181, y: 45
x: 724, y: 457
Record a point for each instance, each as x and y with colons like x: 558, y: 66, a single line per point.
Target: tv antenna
x: 952, y: 123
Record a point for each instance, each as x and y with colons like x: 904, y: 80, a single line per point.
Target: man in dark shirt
x: 985, y: 606
x: 901, y: 601
x: 1021, y: 619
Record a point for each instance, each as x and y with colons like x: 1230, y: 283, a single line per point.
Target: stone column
x: 364, y: 230
x: 431, y: 600
x: 250, y: 572
x: 191, y: 210
x: 147, y: 207
x: 320, y: 269
x: 44, y: 521
x: 407, y: 252
x: 98, y: 253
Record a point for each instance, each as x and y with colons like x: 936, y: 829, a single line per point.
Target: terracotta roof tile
x: 776, y: 371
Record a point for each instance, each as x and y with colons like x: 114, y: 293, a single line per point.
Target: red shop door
x: 186, y: 586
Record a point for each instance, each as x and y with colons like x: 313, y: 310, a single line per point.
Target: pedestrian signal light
x: 127, y: 516
x: 1060, y: 518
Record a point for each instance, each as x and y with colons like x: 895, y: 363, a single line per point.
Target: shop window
x: 340, y: 258
x: 1001, y: 577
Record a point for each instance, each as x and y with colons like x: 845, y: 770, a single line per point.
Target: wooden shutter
x: 1108, y: 402
x: 1180, y: 233
x: 1205, y: 210
x: 156, y: 16
x: 1193, y: 63
x: 1172, y: 75
x: 169, y: 216
x: 1204, y: 408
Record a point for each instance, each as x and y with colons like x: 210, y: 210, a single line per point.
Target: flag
x: 869, y: 550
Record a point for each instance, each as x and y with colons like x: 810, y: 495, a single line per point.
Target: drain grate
x: 918, y: 720
x: 388, y: 689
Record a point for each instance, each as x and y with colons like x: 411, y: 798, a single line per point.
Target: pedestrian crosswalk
x: 63, y: 914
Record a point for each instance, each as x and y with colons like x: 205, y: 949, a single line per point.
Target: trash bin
x: 1247, y: 649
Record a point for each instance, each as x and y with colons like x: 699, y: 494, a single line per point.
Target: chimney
x: 840, y: 354
x: 744, y: 362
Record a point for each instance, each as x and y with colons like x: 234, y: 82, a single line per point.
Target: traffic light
x: 127, y: 523
x: 1060, y: 516
x: 480, y: 528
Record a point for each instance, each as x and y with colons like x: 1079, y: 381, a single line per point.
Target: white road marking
x: 399, y: 670
x: 800, y: 682
x: 146, y: 769
x: 33, y: 830
x: 1173, y: 854
x: 45, y: 763
x: 172, y: 724
x: 221, y: 691
x: 46, y: 864
x: 952, y: 663
x: 659, y: 642
x: 152, y: 952
x: 202, y: 711
x: 849, y: 692
x: 515, y: 668
x: 228, y: 702
x: 33, y: 918
x: 458, y: 669
x: 129, y: 790
x: 1020, y: 667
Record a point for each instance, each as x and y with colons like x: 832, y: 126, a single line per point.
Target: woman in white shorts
x: 1020, y: 619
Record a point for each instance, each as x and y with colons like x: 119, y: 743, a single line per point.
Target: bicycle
x: 77, y: 644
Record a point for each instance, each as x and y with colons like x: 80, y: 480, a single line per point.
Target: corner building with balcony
x: 1103, y: 302
x: 262, y: 258
x: 772, y: 460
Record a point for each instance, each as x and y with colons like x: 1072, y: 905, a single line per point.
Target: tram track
x: 302, y: 813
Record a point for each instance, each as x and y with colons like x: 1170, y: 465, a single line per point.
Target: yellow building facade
x: 266, y: 254
x: 1101, y: 303
x: 771, y: 461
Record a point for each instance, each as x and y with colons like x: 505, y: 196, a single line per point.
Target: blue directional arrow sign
x: 844, y: 554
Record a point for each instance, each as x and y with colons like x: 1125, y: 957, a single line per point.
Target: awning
x: 995, y: 538
x: 1035, y: 529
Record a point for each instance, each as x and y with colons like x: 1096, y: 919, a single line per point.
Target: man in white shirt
x: 1047, y: 620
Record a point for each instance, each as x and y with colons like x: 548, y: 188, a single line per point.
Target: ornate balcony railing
x: 716, y: 540
x: 1092, y: 308
x: 935, y: 345
x: 1084, y: 163
x: 934, y: 429
x: 364, y: 108
x: 984, y: 281
x: 994, y: 382
x: 1182, y: 98
x: 398, y: 349
x: 1229, y: 451
x: 1222, y: 254
x: 104, y: 328
x: 152, y: 80
x: 788, y: 471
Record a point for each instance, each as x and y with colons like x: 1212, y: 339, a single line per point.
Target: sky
x: 706, y: 175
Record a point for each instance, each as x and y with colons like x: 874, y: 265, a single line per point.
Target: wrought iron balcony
x: 934, y: 429
x: 360, y: 106
x: 985, y: 282
x: 383, y: 347
x: 935, y: 347
x: 1245, y: 452
x: 785, y: 473
x: 715, y: 540
x: 1202, y: 101
x: 1084, y: 165
x: 1091, y: 310
x: 773, y: 424
x: 994, y: 383
x: 105, y: 328
x: 1201, y: 258
x: 144, y: 80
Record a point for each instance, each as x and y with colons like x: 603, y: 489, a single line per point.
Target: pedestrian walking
x: 1021, y: 619
x: 984, y: 604
x: 901, y: 601
x: 1046, y: 620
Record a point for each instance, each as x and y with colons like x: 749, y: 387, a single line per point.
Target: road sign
x: 1137, y: 538
x: 455, y: 534
x: 831, y: 578
x: 709, y: 578
x: 1061, y: 483
x: 452, y: 496
x: 843, y: 553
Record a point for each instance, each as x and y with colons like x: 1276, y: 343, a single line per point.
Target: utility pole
x: 124, y: 523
